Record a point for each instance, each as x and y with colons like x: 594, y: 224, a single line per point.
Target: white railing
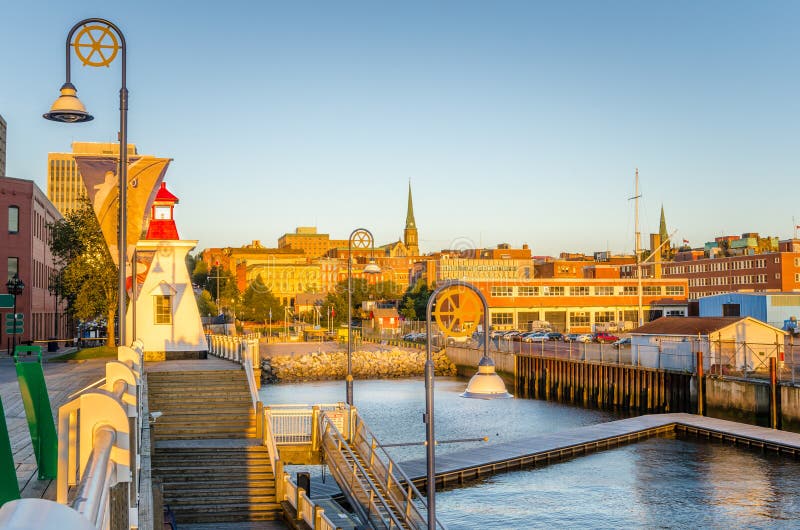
x: 285, y: 488
x: 99, y: 435
x: 297, y: 424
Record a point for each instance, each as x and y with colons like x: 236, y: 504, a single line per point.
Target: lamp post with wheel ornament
x: 360, y: 238
x: 456, y: 311
x: 97, y: 43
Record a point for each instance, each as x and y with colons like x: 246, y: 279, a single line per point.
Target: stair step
x: 188, y: 514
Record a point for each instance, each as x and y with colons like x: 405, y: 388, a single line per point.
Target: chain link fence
x: 729, y: 359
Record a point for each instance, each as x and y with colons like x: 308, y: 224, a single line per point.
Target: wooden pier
x: 457, y: 468
x: 604, y: 385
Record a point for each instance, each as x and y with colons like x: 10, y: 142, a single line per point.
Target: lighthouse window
x: 163, y: 309
x: 162, y: 212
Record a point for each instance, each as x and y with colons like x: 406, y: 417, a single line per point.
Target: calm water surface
x: 656, y: 483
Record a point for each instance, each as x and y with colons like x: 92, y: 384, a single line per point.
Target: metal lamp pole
x: 68, y: 109
x: 362, y: 238
x: 430, y: 439
x: 15, y: 287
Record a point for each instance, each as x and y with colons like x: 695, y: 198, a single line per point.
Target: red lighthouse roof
x: 164, y: 195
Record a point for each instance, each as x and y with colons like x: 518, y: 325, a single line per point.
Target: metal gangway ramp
x: 375, y: 486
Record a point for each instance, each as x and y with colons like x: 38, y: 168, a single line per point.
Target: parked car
x: 458, y: 339
x: 604, y: 338
x: 555, y: 335
x: 623, y: 342
x: 535, y: 337
x: 577, y: 337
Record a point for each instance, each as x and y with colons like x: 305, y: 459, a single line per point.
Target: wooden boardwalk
x: 470, y: 464
x: 63, y: 379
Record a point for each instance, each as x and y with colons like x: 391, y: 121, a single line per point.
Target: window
x: 581, y: 290
x: 502, y: 319
x: 554, y: 290
x: 602, y: 317
x: 604, y: 290
x: 578, y: 319
x: 528, y: 290
x: 13, y: 219
x: 651, y: 290
x: 674, y: 290
x: 630, y: 289
x: 502, y: 290
x: 163, y: 309
x: 13, y: 267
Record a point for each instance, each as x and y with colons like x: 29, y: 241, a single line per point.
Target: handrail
x: 390, y: 468
x: 373, y: 498
x: 97, y: 477
x: 403, y: 492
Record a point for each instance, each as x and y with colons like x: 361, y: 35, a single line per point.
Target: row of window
x: 723, y: 265
x: 583, y: 290
x: 739, y: 279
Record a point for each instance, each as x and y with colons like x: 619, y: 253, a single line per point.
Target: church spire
x: 410, y: 223
x: 662, y: 226
x: 410, y: 236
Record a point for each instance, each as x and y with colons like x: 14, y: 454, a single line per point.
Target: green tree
x: 415, y: 301
x: 362, y: 290
x: 228, y: 291
x: 200, y: 274
x: 258, y: 301
x: 408, y: 311
x: 85, y: 274
x: 206, y: 305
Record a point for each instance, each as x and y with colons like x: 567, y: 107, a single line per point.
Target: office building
x: 65, y: 187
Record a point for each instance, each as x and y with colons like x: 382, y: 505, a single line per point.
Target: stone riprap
x: 320, y: 366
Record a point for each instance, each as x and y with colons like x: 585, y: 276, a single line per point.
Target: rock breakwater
x: 391, y: 363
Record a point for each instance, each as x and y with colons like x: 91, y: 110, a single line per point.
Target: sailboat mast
x: 638, y: 248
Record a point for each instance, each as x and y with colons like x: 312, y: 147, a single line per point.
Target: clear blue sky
x: 518, y: 122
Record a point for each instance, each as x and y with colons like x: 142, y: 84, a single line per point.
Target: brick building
x: 25, y: 213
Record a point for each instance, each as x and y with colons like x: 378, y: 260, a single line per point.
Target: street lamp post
x: 360, y: 238
x: 430, y: 439
x: 15, y: 287
x: 69, y: 109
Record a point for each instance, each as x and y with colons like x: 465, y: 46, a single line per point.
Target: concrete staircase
x: 211, y: 466
x: 201, y: 404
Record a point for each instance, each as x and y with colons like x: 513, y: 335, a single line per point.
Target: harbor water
x: 664, y: 482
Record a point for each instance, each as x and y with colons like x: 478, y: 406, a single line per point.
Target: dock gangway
x: 375, y: 486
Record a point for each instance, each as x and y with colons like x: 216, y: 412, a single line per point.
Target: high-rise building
x: 3, y: 133
x: 65, y: 187
x: 410, y: 236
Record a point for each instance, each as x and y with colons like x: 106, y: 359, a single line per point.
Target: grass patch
x: 98, y: 352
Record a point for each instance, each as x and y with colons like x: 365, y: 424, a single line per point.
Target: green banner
x: 33, y: 388
x: 9, y: 487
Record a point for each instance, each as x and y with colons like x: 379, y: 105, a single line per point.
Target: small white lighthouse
x: 167, y: 319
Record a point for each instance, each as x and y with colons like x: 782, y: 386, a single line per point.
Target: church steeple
x: 410, y: 211
x: 410, y: 236
x: 662, y: 226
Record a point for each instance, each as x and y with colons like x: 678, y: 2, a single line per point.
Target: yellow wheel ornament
x: 96, y: 45
x: 361, y: 239
x: 457, y: 312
